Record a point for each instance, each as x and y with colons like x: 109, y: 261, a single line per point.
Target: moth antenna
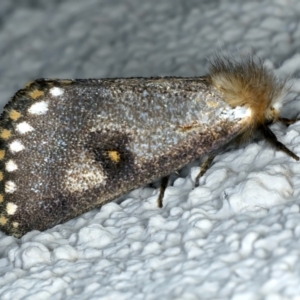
x: 287, y: 121
x: 272, y: 139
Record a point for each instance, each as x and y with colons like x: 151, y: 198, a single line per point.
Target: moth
x: 68, y: 146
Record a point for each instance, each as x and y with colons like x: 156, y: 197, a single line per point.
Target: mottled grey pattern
x: 98, y: 139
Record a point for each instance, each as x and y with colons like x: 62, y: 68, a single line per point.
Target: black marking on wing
x: 100, y: 143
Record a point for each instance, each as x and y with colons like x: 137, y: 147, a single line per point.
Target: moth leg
x: 288, y: 121
x: 272, y: 139
x: 163, y: 186
x: 204, y: 167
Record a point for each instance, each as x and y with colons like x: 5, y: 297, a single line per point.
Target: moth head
x: 271, y: 115
x: 249, y: 83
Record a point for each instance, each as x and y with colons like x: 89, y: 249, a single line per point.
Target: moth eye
x: 270, y: 115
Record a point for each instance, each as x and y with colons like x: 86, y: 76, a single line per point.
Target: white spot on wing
x: 56, y: 91
x: 15, y: 224
x: 83, y: 174
x: 11, y: 208
x: 10, y: 187
x: 38, y: 108
x: 24, y: 127
x: 16, y: 146
x: 10, y: 166
x: 277, y: 105
x: 239, y: 112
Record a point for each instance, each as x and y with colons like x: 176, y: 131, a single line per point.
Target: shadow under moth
x: 68, y: 146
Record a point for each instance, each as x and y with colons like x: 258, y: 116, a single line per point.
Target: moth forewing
x: 68, y: 146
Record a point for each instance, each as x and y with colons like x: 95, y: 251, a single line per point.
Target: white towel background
x: 236, y: 236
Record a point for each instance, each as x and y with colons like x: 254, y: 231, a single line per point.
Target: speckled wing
x: 68, y: 146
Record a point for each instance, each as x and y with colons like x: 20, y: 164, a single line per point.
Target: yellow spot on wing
x: 114, y: 156
x: 29, y: 84
x: 5, y: 134
x: 36, y: 93
x: 190, y: 126
x: 3, y: 220
x: 1, y: 198
x: 2, y: 154
x: 14, y: 115
x: 1, y: 177
x: 213, y: 104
